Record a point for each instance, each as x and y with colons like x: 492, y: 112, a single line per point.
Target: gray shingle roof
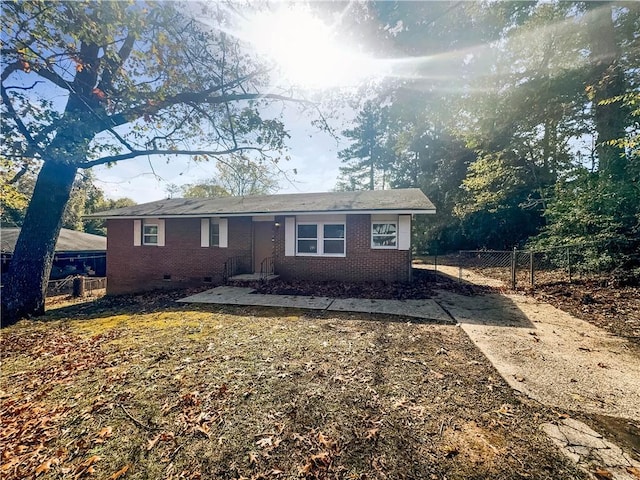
x: 409, y: 200
x: 68, y: 241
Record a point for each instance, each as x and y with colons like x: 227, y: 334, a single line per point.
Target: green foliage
x: 16, y: 185
x: 368, y: 158
x: 204, y: 189
x: 88, y: 83
x: 496, y: 209
x: 600, y: 210
x: 238, y: 175
x: 98, y: 226
x: 85, y: 198
x: 498, y: 112
x: 589, y: 209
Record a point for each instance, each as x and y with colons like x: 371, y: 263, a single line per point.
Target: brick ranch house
x: 347, y: 236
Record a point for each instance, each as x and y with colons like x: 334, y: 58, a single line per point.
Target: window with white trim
x: 320, y: 238
x: 384, y: 235
x: 308, y: 238
x: 214, y: 231
x: 150, y: 234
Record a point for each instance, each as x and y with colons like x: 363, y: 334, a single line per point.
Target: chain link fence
x: 528, y: 268
x: 66, y: 285
x: 537, y: 267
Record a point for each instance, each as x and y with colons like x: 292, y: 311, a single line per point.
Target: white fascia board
x: 271, y: 214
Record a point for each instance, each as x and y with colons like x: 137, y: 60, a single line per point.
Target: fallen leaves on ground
x: 614, y: 308
x: 422, y: 286
x: 183, y: 392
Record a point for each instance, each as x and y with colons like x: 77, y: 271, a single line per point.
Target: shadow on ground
x: 473, y: 304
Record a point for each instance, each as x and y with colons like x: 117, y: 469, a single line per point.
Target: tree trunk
x: 372, y: 165
x: 24, y: 292
x: 609, y: 82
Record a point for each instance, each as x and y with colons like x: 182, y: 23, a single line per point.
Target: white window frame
x: 320, y: 239
x: 384, y: 222
x: 145, y: 235
x: 206, y: 232
x: 216, y: 222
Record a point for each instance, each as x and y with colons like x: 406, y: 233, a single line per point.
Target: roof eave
x: 406, y: 211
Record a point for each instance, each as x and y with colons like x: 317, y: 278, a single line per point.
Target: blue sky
x: 307, y: 54
x: 313, y: 154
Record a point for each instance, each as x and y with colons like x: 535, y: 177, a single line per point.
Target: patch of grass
x: 210, y: 392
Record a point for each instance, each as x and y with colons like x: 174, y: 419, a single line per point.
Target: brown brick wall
x: 141, y: 268
x: 361, y: 264
x: 131, y: 269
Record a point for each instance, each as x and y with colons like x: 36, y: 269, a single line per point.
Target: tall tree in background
x: 524, y: 90
x: 428, y: 99
x: 368, y: 158
x: 600, y: 203
x: 522, y: 125
x: 92, y: 83
x: 237, y: 176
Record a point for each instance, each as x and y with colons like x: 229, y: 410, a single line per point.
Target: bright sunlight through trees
x: 307, y: 52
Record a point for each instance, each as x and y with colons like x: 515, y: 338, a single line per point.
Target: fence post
x: 435, y: 261
x: 569, y: 262
x: 513, y: 269
x: 78, y: 286
x: 531, y: 268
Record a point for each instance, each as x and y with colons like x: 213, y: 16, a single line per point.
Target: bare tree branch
x: 22, y: 128
x: 194, y: 97
x: 139, y: 153
x: 16, y: 87
x: 9, y: 69
x: 112, y: 65
x: 19, y: 174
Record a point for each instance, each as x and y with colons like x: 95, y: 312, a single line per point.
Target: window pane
x: 334, y: 231
x: 384, y: 228
x: 215, y: 234
x: 150, y: 234
x: 384, y: 241
x: 307, y: 246
x: 307, y: 231
x: 334, y: 246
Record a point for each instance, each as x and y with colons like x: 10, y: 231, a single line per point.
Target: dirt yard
x: 137, y: 387
x: 616, y: 309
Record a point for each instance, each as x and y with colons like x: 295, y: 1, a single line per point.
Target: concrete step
x: 251, y: 277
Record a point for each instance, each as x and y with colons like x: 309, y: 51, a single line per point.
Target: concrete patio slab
x: 223, y: 295
x: 228, y: 295
x: 427, y: 309
x: 292, y: 301
x: 590, y: 450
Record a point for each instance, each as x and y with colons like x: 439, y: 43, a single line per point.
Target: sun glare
x: 308, y: 52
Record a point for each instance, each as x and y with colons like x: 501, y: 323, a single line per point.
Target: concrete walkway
x: 561, y: 361
x: 422, y: 309
x: 548, y: 354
